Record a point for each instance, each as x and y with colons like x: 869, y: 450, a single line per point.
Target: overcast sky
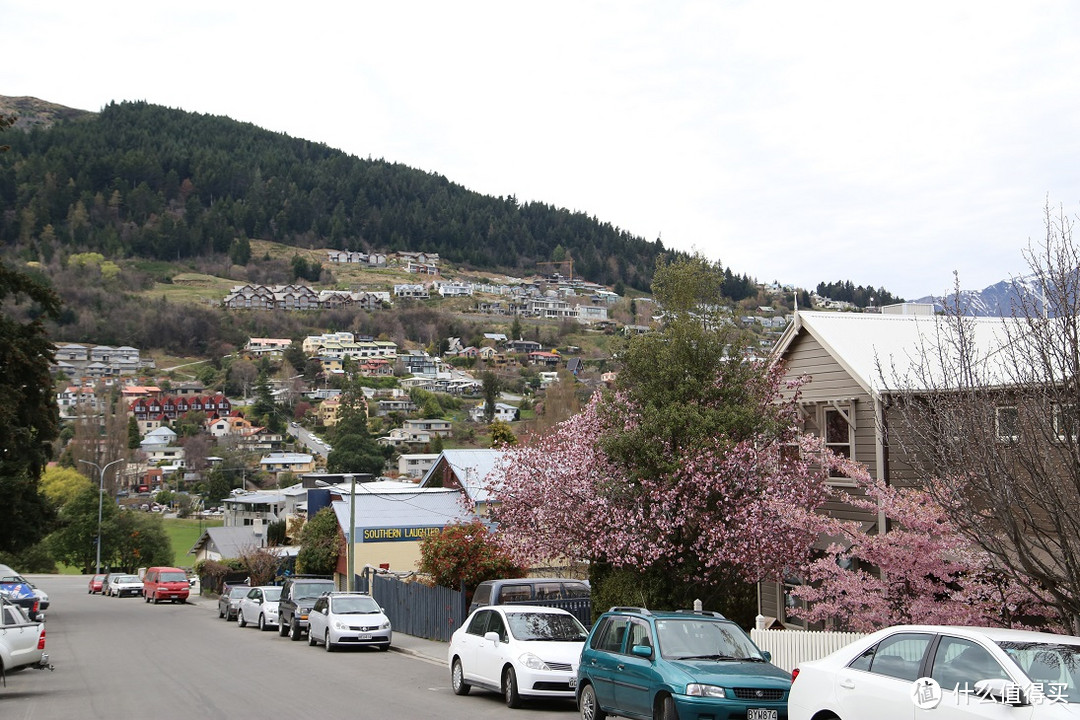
x: 792, y: 141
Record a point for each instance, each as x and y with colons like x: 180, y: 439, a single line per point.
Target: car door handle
x: 620, y: 666
x: 847, y: 683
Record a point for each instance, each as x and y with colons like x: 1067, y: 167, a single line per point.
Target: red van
x: 165, y: 583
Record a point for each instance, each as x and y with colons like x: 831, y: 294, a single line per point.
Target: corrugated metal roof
x: 425, y: 507
x: 474, y: 469
x: 886, y: 352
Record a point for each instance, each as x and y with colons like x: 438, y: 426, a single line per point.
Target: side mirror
x: 492, y: 636
x: 1001, y: 691
x: 767, y: 655
x: 642, y: 651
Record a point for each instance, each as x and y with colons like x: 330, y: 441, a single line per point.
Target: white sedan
x: 520, y: 651
x: 924, y: 672
x: 121, y: 585
x: 260, y: 606
x: 348, y: 618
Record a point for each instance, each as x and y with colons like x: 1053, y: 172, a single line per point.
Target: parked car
x: 942, y: 672
x: 349, y: 618
x: 683, y: 664
x: 22, y: 640
x: 41, y: 595
x: 121, y: 585
x: 570, y: 595
x: 259, y: 605
x: 20, y: 591
x: 165, y: 583
x: 96, y: 584
x: 298, y: 596
x: 521, y: 651
x: 527, y: 590
x: 229, y: 601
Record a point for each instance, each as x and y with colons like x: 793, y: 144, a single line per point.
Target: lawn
x: 183, y: 533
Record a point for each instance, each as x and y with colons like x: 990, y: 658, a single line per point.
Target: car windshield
x: 555, y: 627
x: 703, y: 639
x: 239, y: 591
x: 355, y: 604
x: 311, y: 591
x: 272, y: 594
x: 127, y: 579
x: 1053, y: 667
x: 173, y: 577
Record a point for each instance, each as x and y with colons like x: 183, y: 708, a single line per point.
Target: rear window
x: 311, y: 590
x: 576, y: 590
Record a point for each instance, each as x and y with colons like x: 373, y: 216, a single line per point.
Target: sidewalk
x: 428, y: 650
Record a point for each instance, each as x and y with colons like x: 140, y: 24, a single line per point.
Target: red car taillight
x: 41, y: 639
x: 794, y: 674
x: 34, y: 609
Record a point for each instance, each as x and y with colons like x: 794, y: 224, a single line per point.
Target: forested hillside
x: 140, y: 180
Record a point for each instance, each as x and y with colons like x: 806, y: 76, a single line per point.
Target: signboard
x: 399, y: 534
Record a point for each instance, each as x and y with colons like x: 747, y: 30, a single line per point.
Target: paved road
x: 119, y: 658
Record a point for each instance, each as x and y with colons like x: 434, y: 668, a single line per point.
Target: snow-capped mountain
x: 997, y: 300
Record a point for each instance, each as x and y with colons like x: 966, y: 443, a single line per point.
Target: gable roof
x: 229, y: 541
x: 883, y: 352
x: 471, y: 468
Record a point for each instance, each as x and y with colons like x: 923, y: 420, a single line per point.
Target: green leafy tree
x: 29, y: 420
x: 240, y: 251
x: 502, y: 434
x: 490, y: 384
x: 136, y: 539
x: 465, y: 554
x: 321, y: 544
x: 134, y: 437
x: 354, y: 450
x: 75, y: 541
x: 61, y: 484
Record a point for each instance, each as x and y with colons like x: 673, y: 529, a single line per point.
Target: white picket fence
x: 791, y: 647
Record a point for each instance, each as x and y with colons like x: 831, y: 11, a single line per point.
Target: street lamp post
x: 101, y: 493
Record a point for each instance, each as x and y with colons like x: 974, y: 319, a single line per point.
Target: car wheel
x: 240, y: 618
x: 385, y: 647
x: 510, y: 688
x: 311, y: 641
x: 295, y: 633
x: 588, y: 706
x: 457, y: 679
x: 262, y: 623
x: 282, y: 628
x: 220, y: 612
x: 326, y: 642
x: 665, y: 709
x: 156, y: 599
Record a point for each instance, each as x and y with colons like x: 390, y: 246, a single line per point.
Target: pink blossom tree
x: 922, y: 570
x: 729, y: 504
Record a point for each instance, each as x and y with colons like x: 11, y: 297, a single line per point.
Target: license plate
x: 761, y: 714
x: 573, y: 682
x: 365, y: 637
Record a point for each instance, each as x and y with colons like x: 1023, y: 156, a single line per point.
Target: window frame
x: 999, y: 410
x: 838, y: 411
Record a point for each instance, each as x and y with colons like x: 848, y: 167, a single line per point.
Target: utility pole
x: 101, y: 494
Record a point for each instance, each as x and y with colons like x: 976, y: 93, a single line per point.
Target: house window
x: 1006, y: 422
x: 839, y: 439
x: 1066, y: 421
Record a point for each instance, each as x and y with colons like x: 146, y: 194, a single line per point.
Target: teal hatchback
x: 683, y: 665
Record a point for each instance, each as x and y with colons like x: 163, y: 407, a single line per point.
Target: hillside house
x: 852, y: 360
